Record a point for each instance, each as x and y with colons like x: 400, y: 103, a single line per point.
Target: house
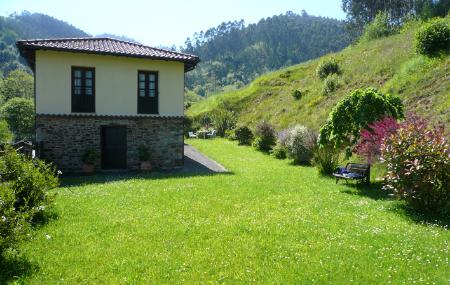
x: 108, y: 95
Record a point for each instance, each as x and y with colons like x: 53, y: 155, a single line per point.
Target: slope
x: 389, y: 64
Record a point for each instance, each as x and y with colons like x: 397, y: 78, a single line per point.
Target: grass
x: 389, y: 64
x: 266, y: 222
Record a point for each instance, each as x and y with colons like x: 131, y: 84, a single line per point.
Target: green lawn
x: 266, y: 222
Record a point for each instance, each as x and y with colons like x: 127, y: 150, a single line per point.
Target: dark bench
x: 354, y: 171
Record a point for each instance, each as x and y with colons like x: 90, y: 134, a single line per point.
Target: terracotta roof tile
x: 106, y: 46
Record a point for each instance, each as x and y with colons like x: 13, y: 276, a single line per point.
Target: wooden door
x: 114, y: 147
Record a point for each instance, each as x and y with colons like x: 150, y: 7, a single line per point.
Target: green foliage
x: 331, y: 84
x: 297, y: 94
x: 243, y: 135
x: 356, y: 111
x: 279, y: 152
x: 230, y: 134
x: 17, y: 84
x: 327, y: 67
x: 265, y: 137
x: 433, y: 38
x: 187, y: 125
x: 19, y: 114
x: 223, y: 118
x: 5, y: 134
x: 30, y: 179
x: 233, y: 53
x: 300, y: 144
x: 89, y: 156
x: 326, y: 159
x: 24, y: 193
x: 143, y: 153
x: 14, y: 225
x: 418, y: 166
x: 378, y: 28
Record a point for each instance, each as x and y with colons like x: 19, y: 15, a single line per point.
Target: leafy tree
x: 5, y: 134
x: 355, y: 112
x: 378, y: 28
x: 19, y: 114
x: 18, y: 84
x: 373, y: 137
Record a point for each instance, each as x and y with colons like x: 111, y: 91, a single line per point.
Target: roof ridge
x: 105, y: 38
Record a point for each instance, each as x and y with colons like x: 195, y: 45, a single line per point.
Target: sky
x: 165, y: 22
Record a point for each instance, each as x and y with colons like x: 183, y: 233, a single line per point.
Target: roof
x: 104, y: 46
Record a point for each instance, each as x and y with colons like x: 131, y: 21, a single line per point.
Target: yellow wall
x: 115, y: 83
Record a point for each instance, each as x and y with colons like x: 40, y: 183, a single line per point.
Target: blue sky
x: 165, y: 22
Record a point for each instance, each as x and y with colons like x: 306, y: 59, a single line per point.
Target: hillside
x: 25, y: 26
x: 389, y: 64
x: 234, y: 53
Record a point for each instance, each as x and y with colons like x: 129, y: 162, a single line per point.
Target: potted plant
x: 144, y: 158
x: 88, y: 159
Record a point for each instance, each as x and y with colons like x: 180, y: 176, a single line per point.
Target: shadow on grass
x: 99, y: 178
x: 15, y: 267
x: 373, y: 191
x: 42, y: 218
x: 421, y: 218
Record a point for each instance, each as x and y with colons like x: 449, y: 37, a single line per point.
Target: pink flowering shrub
x: 372, y: 137
x: 418, y: 165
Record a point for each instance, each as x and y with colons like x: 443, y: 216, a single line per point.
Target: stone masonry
x: 64, y: 138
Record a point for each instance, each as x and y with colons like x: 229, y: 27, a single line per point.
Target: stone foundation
x: 64, y: 138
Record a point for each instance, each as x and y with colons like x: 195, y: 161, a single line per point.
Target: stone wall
x: 64, y: 138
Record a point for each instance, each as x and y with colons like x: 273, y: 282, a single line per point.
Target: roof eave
x: 28, y: 52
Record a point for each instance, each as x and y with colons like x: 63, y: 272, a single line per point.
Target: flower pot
x: 88, y: 168
x: 146, y: 166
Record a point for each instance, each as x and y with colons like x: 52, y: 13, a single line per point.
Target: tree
x: 373, y: 137
x: 355, y: 112
x: 5, y: 133
x: 19, y: 114
x: 17, y: 84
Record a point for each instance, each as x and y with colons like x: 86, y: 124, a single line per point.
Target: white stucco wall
x: 115, y: 83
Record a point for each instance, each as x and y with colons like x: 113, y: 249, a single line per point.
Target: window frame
x: 77, y: 99
x: 154, y: 108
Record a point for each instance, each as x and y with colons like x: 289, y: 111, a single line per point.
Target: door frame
x: 102, y: 143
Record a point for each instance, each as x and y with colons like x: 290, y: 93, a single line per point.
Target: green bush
x: 297, y: 94
x: 279, y: 152
x: 230, y: 134
x: 243, y: 135
x: 328, y: 67
x: 30, y: 180
x: 223, y: 118
x: 418, y: 166
x: 378, y: 28
x: 5, y: 134
x: 14, y: 224
x: 433, y: 38
x: 19, y: 114
x: 331, y: 84
x: 301, y: 144
x: 265, y: 137
x: 326, y: 159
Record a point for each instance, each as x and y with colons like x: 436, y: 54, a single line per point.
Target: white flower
x: 48, y: 237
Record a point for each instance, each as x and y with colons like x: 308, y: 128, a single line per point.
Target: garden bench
x: 354, y: 171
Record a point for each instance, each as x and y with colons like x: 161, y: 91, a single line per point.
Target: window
x: 148, y: 92
x: 83, y: 89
